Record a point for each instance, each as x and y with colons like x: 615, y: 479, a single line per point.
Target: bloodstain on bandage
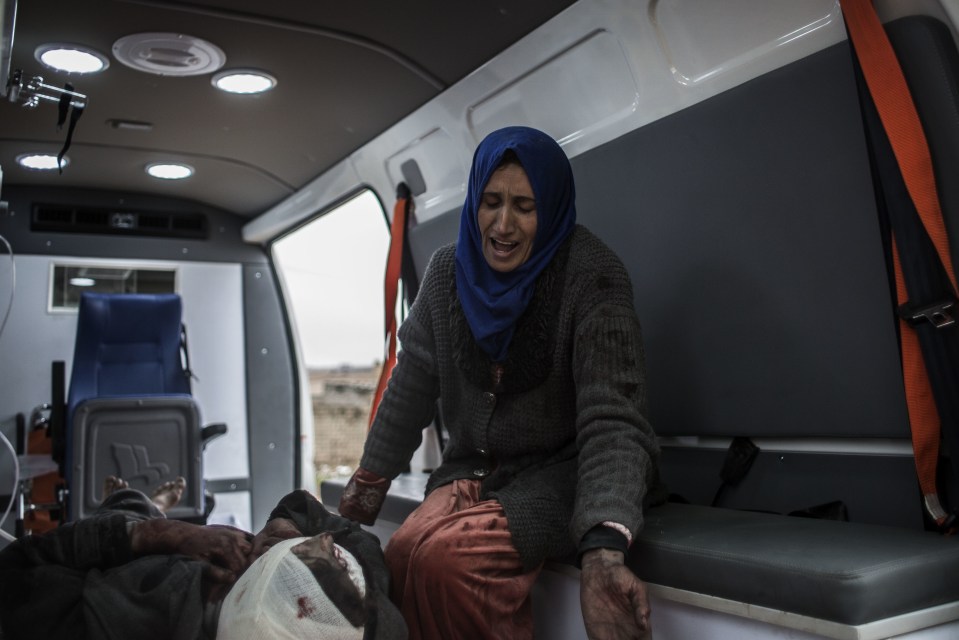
x: 304, y: 608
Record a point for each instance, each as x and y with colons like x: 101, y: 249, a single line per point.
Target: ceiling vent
x: 67, y: 219
x: 168, y: 54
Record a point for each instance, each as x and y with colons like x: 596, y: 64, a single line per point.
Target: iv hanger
x: 30, y: 92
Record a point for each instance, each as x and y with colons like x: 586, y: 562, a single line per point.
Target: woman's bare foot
x: 112, y: 484
x: 168, y: 494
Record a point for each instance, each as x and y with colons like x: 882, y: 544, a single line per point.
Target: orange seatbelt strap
x: 394, y: 262
x: 890, y: 93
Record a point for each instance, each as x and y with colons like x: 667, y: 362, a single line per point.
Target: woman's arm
x: 409, y: 400
x: 618, y: 455
x: 618, y: 452
x: 407, y: 407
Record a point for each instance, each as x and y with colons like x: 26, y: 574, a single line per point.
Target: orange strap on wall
x: 394, y: 263
x: 890, y: 93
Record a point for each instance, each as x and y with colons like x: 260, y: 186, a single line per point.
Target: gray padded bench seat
x: 842, y: 572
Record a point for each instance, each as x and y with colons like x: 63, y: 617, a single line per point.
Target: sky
x: 333, y: 269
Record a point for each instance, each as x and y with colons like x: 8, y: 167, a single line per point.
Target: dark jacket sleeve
x: 409, y: 400
x: 42, y: 578
x: 97, y: 542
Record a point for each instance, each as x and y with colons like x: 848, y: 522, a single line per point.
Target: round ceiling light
x: 71, y: 58
x: 168, y: 54
x: 245, y: 81
x: 41, y: 161
x: 169, y: 171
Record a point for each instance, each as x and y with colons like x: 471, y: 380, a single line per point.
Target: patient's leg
x: 112, y: 484
x: 168, y: 494
x: 119, y: 497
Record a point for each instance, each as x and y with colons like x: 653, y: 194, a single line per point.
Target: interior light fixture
x: 40, y: 161
x: 243, y: 81
x: 169, y: 171
x: 82, y: 282
x: 71, y: 58
x: 168, y: 54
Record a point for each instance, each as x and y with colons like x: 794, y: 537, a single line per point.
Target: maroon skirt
x: 455, y: 571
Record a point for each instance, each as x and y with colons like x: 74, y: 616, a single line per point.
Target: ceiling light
x: 244, y: 81
x: 41, y: 161
x: 82, y: 282
x: 168, y: 54
x: 71, y: 58
x: 169, y: 171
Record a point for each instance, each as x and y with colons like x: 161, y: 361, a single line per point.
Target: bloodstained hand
x: 222, y: 549
x: 614, y: 601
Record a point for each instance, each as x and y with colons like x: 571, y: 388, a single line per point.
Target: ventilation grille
x: 67, y: 219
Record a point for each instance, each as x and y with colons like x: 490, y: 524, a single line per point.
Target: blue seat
x: 130, y: 412
x: 127, y: 344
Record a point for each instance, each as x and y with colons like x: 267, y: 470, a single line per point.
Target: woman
x: 526, y: 333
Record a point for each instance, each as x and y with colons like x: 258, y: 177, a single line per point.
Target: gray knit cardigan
x: 561, y: 440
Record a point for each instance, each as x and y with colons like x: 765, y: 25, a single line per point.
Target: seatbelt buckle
x: 940, y: 314
x: 948, y: 527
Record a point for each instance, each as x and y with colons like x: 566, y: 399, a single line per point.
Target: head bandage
x: 278, y: 597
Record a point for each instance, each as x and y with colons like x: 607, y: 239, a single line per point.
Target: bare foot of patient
x: 168, y: 494
x: 112, y: 484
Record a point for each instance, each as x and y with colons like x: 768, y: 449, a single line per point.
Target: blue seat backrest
x: 127, y: 344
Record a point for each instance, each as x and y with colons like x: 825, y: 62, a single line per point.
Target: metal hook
x: 31, y: 92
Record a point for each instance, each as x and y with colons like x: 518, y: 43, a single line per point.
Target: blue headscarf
x: 493, y: 301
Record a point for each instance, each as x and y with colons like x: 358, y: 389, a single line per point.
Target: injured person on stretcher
x: 129, y: 572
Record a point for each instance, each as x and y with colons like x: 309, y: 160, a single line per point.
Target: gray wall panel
x: 272, y: 394
x: 426, y: 237
x: 748, y: 224
x: 879, y: 489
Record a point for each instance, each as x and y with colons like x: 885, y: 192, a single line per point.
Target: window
x: 332, y: 271
x: 69, y: 281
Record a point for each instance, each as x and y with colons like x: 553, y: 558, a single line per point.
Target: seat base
x: 144, y: 440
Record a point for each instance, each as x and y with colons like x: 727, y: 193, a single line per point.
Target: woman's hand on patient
x: 614, y: 601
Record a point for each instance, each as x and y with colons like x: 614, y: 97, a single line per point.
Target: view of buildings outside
x: 341, y: 400
x: 332, y: 270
